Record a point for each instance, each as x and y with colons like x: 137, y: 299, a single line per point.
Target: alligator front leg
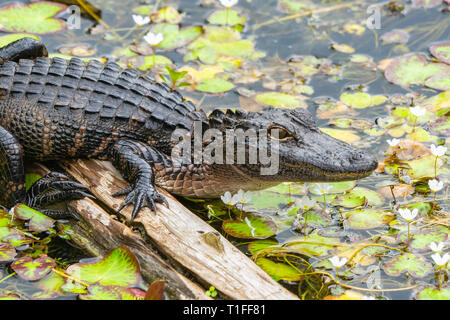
x: 51, y: 188
x: 134, y: 159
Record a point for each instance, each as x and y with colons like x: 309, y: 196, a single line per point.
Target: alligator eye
x: 283, y: 133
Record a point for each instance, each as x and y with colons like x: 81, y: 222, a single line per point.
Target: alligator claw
x: 141, y: 196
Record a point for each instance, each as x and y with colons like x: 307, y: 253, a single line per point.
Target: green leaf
x: 226, y: 17
x: 420, y: 240
x: 336, y: 187
x: 413, y: 264
x: 118, y: 268
x: 33, y: 270
x: 147, y: 62
x: 313, y: 244
x: 7, y: 252
x: 101, y: 292
x: 36, y: 221
x: 280, y: 100
x: 144, y: 10
x: 250, y: 226
x: 279, y: 270
x: 9, y: 38
x: 360, y: 100
x: 258, y: 245
x: 441, y: 51
x: 434, y: 294
x: 367, y: 218
x: 214, y: 85
x: 36, y: 17
x: 31, y: 178
x: 167, y: 14
x: 174, y: 37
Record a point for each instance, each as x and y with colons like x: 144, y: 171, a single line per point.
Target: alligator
x: 53, y: 109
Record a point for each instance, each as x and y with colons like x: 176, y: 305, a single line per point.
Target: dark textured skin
x: 53, y: 109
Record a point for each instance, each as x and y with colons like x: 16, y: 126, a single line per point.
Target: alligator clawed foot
x: 52, y: 188
x: 141, y: 195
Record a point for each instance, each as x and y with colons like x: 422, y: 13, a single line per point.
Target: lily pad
x: 439, y: 81
x: 258, y: 245
x: 214, y: 85
x: 395, y: 36
x: 296, y: 6
x: 167, y: 14
x: 36, y: 221
x: 7, y: 252
x: 31, y: 178
x: 77, y: 50
x: 420, y: 240
x: 9, y: 38
x: 336, y: 187
x: 434, y: 294
x: 344, y: 48
x: 33, y: 270
x: 426, y: 3
x: 361, y: 100
x: 348, y: 136
x: 359, y: 196
x: 147, y: 62
x: 144, y: 10
x: 155, y: 291
x: 367, y: 218
x: 413, y: 68
x: 424, y: 167
x: 279, y: 270
x: 36, y: 17
x: 226, y: 17
x: 174, y: 37
x: 280, y: 100
x: 313, y: 244
x: 250, y: 226
x: 99, y: 292
x: 441, y: 51
x: 413, y: 264
x: 118, y: 268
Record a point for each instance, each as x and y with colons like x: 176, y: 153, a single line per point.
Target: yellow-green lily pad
x: 361, y: 100
x: 167, y: 14
x: 420, y: 240
x: 313, y: 244
x: 146, y: 62
x: 214, y: 85
x: 174, y: 37
x: 279, y: 270
x: 280, y: 100
x: 367, y: 218
x: 227, y: 17
x: 441, y: 51
x: 250, y: 226
x: 36, y: 17
x: 33, y: 270
x: 413, y: 264
x: 36, y: 221
x: 434, y: 294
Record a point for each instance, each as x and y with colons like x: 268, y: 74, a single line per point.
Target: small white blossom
x: 407, y: 214
x: 393, y: 142
x: 243, y: 197
x: 153, y: 39
x: 140, y: 20
x: 436, y: 247
x: 418, y: 111
x: 228, y: 3
x: 440, y: 260
x: 435, y: 185
x: 337, y: 262
x: 305, y: 203
x: 228, y: 199
x: 322, y: 188
x: 438, y: 151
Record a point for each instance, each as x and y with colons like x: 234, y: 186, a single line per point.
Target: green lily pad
x: 7, y: 252
x: 361, y: 100
x: 214, y: 85
x: 50, y: 283
x: 349, y: 136
x: 336, y: 187
x: 424, y: 167
x: 174, y: 37
x: 33, y: 270
x: 421, y: 134
x: 413, y: 264
x: 395, y: 36
x: 258, y: 245
x: 420, y: 240
x: 15, y: 239
x: 316, y: 218
x: 250, y: 226
x: 279, y: 270
x: 344, y: 48
x: 31, y: 178
x: 434, y: 294
x: 147, y: 62
x: 412, y: 69
x: 280, y: 100
x: 117, y: 268
x: 439, y: 81
x: 226, y: 17
x: 144, y: 10
x: 358, y: 196
x: 296, y: 6
x: 313, y: 244
x: 99, y: 292
x: 440, y: 126
x: 349, y: 200
x: 367, y: 218
x: 5, y: 219
x: 36, y: 17
x: 36, y: 221
x: 441, y: 51
x: 426, y: 3
x: 167, y: 14
x: 77, y: 50
x: 9, y: 38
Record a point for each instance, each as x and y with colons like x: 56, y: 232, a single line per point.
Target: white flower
x: 367, y: 298
x: 228, y: 3
x: 418, y: 111
x: 407, y: 214
x: 393, y: 142
x: 228, y: 199
x: 337, y: 262
x: 306, y: 203
x: 438, y: 151
x: 440, y: 260
x: 436, y: 247
x: 435, y: 185
x: 153, y: 39
x: 322, y: 188
x: 243, y: 197
x: 140, y: 20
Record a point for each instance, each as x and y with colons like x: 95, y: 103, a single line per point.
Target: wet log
x: 184, y: 237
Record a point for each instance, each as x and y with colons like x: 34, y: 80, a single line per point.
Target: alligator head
x: 304, y: 153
